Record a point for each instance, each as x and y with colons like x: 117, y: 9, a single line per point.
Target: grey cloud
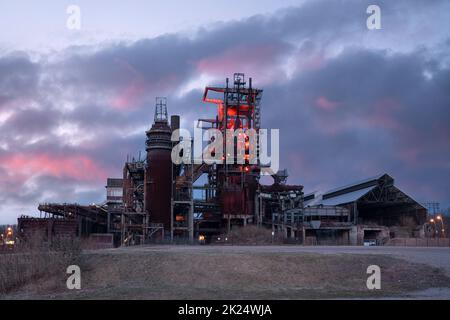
x: 388, y: 117
x: 406, y: 135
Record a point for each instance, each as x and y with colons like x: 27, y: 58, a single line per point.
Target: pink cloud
x: 257, y: 60
x: 78, y: 167
x: 325, y: 104
x: 132, y: 91
x: 129, y: 96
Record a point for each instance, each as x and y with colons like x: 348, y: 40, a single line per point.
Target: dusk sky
x: 350, y: 102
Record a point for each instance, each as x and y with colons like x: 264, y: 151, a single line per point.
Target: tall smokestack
x: 158, y: 174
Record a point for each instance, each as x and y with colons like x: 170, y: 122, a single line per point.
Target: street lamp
x: 439, y: 217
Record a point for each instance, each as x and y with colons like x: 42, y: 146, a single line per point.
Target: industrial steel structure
x: 158, y: 200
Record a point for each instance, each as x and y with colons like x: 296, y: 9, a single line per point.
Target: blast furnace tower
x: 158, y: 174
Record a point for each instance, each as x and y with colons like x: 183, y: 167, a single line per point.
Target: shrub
x: 34, y: 260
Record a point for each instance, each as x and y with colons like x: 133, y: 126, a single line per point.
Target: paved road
x: 436, y: 257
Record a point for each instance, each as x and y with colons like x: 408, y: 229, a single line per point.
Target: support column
x: 108, y: 226
x: 191, y: 223
x: 353, y: 236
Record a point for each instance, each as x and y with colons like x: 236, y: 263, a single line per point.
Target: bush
x: 35, y: 260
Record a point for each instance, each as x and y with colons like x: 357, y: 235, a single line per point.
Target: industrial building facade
x: 373, y: 210
x: 158, y: 200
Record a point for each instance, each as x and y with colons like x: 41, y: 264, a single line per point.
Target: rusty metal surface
x: 158, y: 175
x: 47, y: 228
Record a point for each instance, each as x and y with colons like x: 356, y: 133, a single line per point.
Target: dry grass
x: 165, y: 275
x: 34, y: 261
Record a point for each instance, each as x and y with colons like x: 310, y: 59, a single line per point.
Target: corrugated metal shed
x: 376, y: 200
x: 341, y: 199
x: 347, y: 197
x: 361, y: 182
x: 345, y: 194
x: 314, y: 199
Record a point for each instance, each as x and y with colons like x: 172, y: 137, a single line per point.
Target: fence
x: 419, y: 242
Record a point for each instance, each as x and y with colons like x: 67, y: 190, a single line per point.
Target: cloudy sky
x: 350, y: 102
